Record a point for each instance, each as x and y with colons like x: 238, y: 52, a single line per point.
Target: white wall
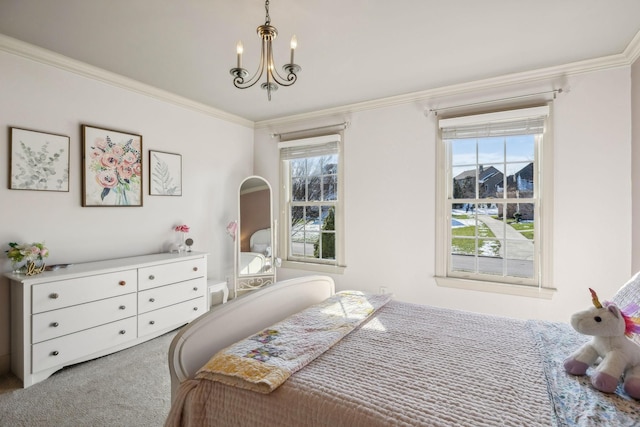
x: 216, y: 156
x: 635, y: 159
x: 390, y: 198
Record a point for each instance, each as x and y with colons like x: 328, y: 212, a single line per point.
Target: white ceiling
x: 350, y: 50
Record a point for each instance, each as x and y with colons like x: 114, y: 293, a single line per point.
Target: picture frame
x: 112, y: 168
x: 165, y: 173
x: 38, y: 160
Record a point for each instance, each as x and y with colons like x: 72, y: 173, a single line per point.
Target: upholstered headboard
x: 225, y: 324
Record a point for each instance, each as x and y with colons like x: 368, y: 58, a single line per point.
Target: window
x: 311, y: 203
x: 495, y: 201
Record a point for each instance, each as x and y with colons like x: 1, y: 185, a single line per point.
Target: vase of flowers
x: 27, y: 258
x: 183, y: 230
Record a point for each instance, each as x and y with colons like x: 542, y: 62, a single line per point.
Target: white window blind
x: 526, y: 121
x: 309, y: 147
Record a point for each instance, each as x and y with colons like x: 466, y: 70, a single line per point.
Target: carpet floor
x: 130, y: 388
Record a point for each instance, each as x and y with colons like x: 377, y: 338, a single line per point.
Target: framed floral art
x: 165, y: 174
x: 112, y: 167
x: 39, y: 160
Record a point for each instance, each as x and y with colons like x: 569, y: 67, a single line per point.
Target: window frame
x: 543, y: 286
x: 286, y: 202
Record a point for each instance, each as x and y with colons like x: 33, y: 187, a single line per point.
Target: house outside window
x: 494, y: 202
x: 312, y: 203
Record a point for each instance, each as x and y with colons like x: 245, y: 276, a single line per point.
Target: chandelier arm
x: 241, y: 83
x: 291, y: 76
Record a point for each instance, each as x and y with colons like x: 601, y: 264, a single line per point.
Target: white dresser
x: 88, y: 310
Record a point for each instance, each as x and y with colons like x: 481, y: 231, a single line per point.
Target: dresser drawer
x: 158, y: 275
x: 53, y: 324
x: 60, y: 351
x: 153, y: 299
x: 171, y: 317
x: 65, y: 293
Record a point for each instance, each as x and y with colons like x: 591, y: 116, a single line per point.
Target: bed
x: 258, y: 259
x: 402, y: 364
x: 253, y: 263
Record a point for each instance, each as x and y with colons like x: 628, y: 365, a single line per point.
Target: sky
x: 517, y: 150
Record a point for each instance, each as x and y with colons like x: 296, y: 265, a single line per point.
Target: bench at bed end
x: 196, y: 342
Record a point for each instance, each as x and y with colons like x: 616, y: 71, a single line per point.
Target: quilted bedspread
x: 414, y: 365
x: 267, y: 359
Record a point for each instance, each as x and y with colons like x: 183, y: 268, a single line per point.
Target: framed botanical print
x: 165, y: 174
x: 111, y: 167
x: 39, y: 160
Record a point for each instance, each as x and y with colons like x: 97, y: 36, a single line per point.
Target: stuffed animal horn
x: 594, y: 298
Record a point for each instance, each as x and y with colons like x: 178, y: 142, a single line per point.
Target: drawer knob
x: 54, y: 296
x: 195, y: 308
x: 122, y: 332
x: 195, y: 268
x: 122, y: 307
x: 122, y: 283
x: 195, y: 288
x: 151, y: 277
x: 152, y: 300
x: 152, y: 322
x: 55, y: 324
x: 54, y: 353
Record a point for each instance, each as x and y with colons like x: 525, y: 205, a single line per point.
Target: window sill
x: 496, y: 287
x: 309, y: 266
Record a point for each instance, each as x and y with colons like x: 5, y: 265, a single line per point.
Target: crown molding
x: 47, y: 57
x: 549, y: 74
x: 632, y: 52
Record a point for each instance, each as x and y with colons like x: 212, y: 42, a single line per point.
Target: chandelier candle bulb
x: 294, y: 44
x: 239, y: 50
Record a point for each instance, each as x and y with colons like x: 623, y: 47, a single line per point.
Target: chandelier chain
x: 267, y: 19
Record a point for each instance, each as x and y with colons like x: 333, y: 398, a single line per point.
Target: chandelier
x: 267, y: 66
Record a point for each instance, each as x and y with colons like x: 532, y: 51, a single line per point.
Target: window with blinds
x: 491, y: 197
x: 311, y: 175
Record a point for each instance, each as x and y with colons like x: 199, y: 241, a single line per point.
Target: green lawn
x: 525, y: 228
x: 463, y: 239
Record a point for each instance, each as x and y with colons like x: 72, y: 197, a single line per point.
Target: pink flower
x: 125, y: 171
x: 117, y: 150
x: 183, y: 228
x: 101, y: 143
x: 108, y: 160
x: 129, y: 158
x: 107, y: 178
x: 96, y: 153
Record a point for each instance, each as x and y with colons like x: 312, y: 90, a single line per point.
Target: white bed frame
x: 194, y: 345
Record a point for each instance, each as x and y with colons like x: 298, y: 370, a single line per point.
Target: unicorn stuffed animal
x: 620, y: 355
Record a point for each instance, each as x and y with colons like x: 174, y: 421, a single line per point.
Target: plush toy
x: 620, y: 355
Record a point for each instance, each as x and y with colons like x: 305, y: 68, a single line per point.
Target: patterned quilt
x: 264, y: 361
x: 575, y: 402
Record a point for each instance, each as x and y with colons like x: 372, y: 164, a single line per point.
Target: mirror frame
x: 253, y: 281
